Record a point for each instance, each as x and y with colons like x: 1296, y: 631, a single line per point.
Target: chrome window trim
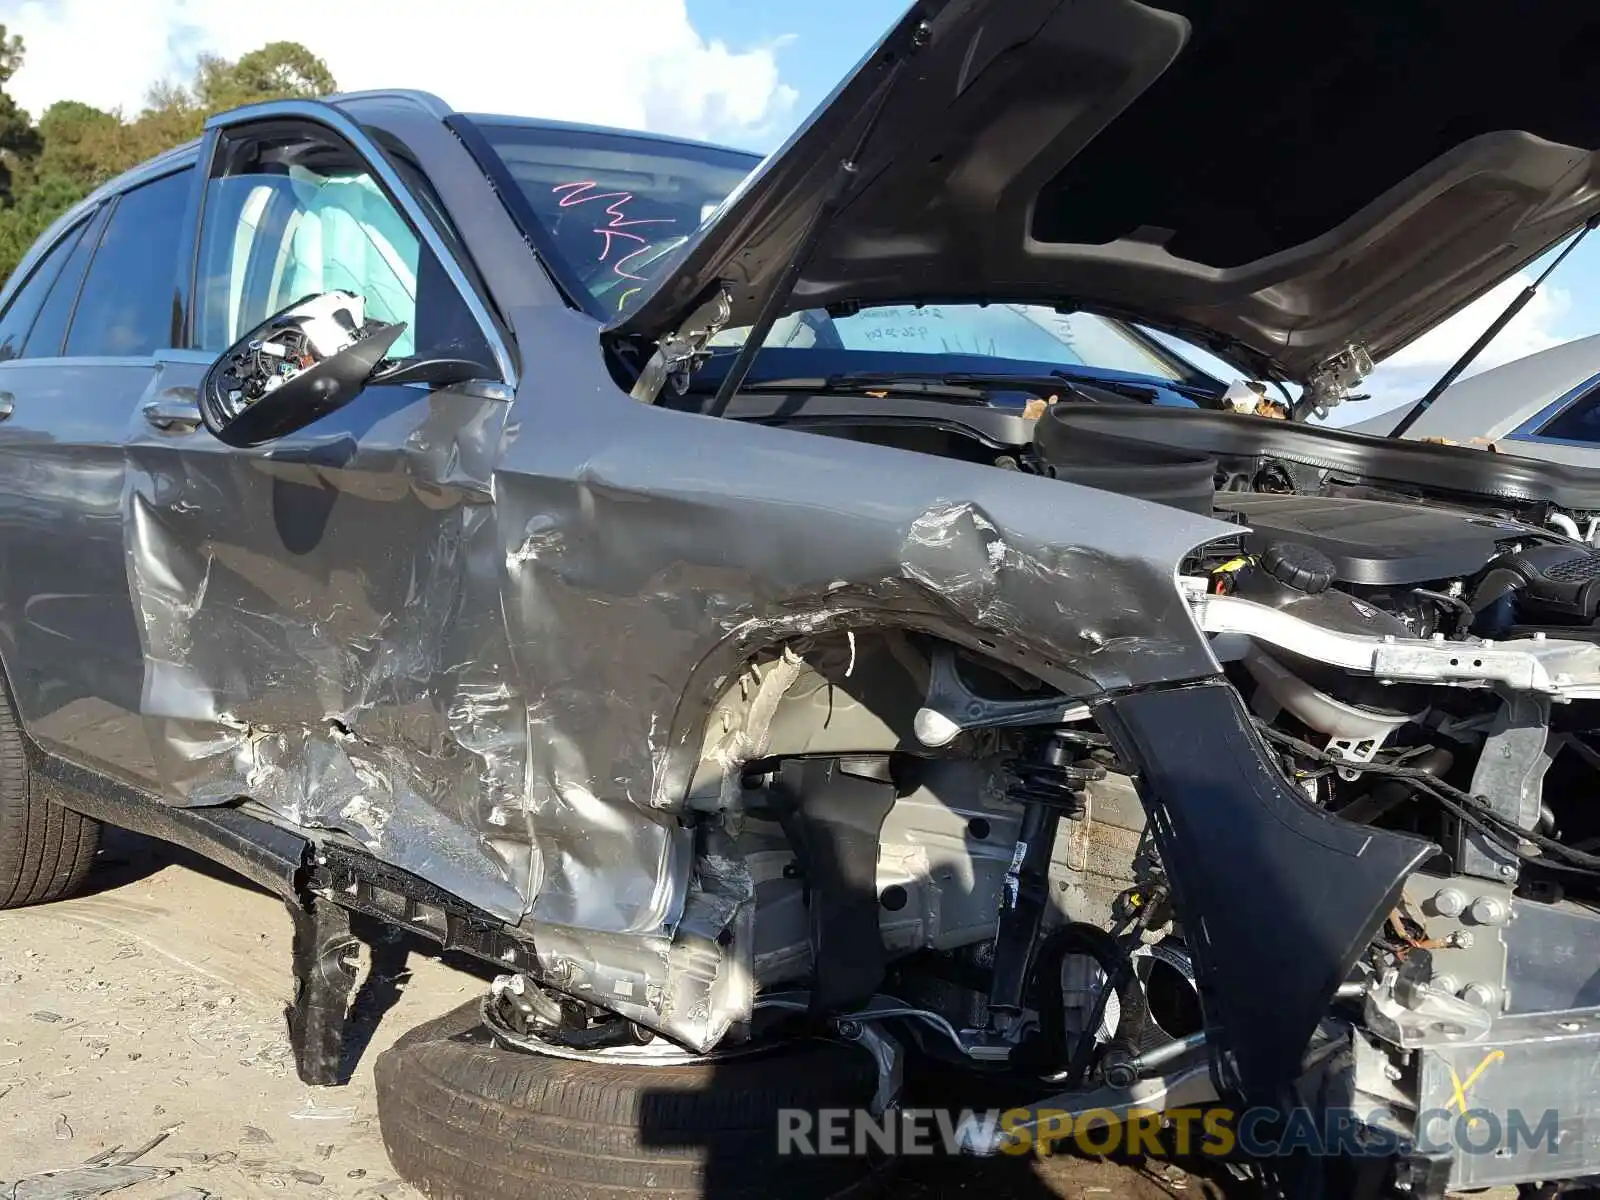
x: 319, y: 113
x: 1555, y: 441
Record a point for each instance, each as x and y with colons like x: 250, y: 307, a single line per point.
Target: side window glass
x: 303, y: 214
x: 49, y: 332
x: 29, y: 298
x: 1579, y: 423
x: 127, y: 303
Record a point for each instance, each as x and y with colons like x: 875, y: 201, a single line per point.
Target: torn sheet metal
x: 650, y: 554
x: 321, y: 633
x: 482, y: 640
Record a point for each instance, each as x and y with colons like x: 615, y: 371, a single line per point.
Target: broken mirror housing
x: 297, y: 366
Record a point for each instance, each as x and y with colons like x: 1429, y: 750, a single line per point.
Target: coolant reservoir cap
x: 1298, y: 566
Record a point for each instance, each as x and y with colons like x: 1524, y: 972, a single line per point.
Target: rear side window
x: 30, y: 297
x: 128, y: 300
x: 50, y: 326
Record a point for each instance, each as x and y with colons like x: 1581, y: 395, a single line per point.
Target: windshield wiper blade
x: 1058, y: 383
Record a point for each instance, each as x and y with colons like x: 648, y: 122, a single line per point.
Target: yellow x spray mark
x: 1459, y: 1100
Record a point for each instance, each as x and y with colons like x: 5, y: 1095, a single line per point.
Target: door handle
x: 172, y: 413
x: 8, y: 405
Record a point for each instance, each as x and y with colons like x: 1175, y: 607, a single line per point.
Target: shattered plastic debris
x: 312, y: 1111
x: 81, y: 1183
x: 109, y: 1171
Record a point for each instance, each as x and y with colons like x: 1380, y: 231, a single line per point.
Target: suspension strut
x: 1049, y: 779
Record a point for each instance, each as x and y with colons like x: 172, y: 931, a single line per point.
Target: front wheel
x: 464, y: 1117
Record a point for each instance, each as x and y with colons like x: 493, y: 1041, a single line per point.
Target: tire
x: 466, y: 1119
x: 45, y: 850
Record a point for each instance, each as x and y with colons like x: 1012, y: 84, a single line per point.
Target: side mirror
x: 294, y: 368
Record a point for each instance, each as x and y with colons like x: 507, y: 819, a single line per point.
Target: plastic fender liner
x: 1277, y: 898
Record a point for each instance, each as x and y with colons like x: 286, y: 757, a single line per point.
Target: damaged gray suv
x: 793, y: 624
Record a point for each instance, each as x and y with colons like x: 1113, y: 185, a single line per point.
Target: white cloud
x: 1409, y: 372
x: 634, y: 63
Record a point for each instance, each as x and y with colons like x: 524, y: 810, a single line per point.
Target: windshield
x: 615, y: 205
x: 1003, y: 331
x: 612, y: 206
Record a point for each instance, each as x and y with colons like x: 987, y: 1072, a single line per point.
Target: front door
x: 321, y: 614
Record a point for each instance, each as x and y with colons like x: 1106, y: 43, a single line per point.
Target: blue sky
x: 816, y: 42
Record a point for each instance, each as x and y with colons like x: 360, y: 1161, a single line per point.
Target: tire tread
x: 46, y: 850
x: 465, y: 1119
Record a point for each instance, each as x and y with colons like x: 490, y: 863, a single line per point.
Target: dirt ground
x: 143, y: 1051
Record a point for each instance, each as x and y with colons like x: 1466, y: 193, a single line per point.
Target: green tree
x: 45, y: 169
x: 18, y: 139
x: 276, y: 71
x: 79, y: 144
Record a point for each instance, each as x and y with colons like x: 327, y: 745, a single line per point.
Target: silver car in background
x: 1544, y: 406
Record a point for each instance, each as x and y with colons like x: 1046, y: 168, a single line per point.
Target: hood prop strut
x: 844, y: 178
x: 1489, y: 334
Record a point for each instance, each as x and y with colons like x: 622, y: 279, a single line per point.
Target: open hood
x: 1281, y: 182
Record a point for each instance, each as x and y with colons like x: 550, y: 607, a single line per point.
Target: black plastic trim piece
x: 268, y: 856
x: 289, y: 865
x: 1276, y: 896
x: 523, y: 216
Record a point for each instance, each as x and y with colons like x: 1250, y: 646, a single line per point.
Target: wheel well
x: 845, y: 692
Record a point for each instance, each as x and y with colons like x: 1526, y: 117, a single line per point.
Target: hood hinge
x: 1332, y: 382
x: 680, y: 352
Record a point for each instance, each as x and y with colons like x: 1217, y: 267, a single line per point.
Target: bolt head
x: 1449, y: 902
x: 1488, y: 910
x: 1484, y: 995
